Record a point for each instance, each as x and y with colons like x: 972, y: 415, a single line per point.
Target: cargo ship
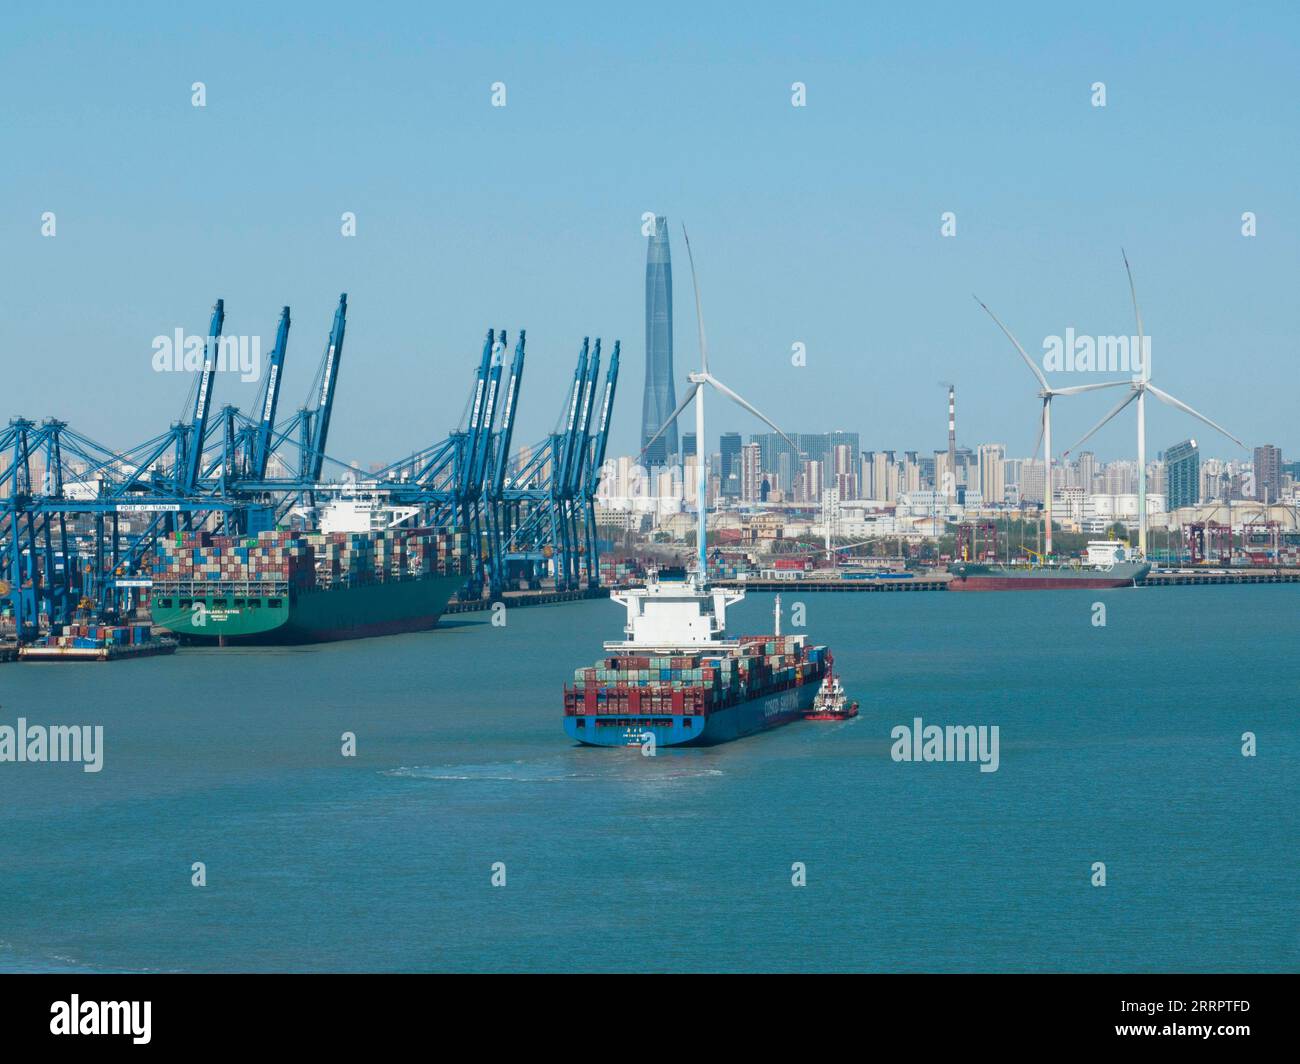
x: 677, y: 677
x: 1108, y: 564
x: 292, y: 587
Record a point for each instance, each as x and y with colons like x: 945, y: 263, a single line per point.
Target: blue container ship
x: 677, y: 677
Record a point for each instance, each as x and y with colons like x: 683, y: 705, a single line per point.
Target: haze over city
x: 818, y: 224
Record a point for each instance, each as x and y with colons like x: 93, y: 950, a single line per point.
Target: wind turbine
x: 1047, y: 393
x: 696, y: 392
x: 1139, y: 386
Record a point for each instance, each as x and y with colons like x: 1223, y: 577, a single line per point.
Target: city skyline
x: 832, y: 243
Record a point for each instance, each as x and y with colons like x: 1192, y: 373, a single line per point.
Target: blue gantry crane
x: 62, y: 542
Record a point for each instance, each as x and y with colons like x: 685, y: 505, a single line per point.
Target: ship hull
x: 679, y: 729
x: 314, y: 616
x: 990, y: 578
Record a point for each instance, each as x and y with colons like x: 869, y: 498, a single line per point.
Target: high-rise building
x: 1033, y: 480
x: 1268, y: 473
x: 991, y: 483
x: 688, y: 445
x: 812, y: 479
x: 911, y: 474
x: 883, y: 478
x: 729, y: 467
x: 1087, y: 470
x: 845, y: 480
x: 1183, y: 474
x: 751, y: 473
x: 660, y: 398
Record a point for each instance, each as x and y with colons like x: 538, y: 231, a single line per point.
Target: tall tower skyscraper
x: 660, y: 398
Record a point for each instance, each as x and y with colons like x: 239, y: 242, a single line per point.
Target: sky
x: 818, y: 225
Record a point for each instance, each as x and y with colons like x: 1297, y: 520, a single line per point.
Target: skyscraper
x: 1183, y: 474
x: 1268, y: 473
x: 660, y: 398
x: 751, y: 473
x: 991, y: 483
x: 729, y: 467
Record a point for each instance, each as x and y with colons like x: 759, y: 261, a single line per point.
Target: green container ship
x: 284, y: 586
x: 267, y: 612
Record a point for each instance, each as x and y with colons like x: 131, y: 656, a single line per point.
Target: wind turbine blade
x: 1042, y: 427
x: 1076, y: 389
x: 1033, y: 366
x: 1142, y: 354
x: 699, y: 313
x: 751, y: 408
x: 686, y: 399
x: 1089, y: 434
x: 1165, y: 397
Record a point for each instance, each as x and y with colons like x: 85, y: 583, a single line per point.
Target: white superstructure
x: 675, y: 614
x: 1103, y: 553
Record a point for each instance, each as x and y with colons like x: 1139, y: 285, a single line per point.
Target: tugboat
x: 831, y: 702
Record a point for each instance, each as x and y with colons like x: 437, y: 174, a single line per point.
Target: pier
x: 527, y: 598
x: 1225, y: 576
x: 932, y: 582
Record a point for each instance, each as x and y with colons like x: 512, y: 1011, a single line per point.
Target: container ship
x: 1108, y: 563
x: 677, y: 676
x: 294, y: 587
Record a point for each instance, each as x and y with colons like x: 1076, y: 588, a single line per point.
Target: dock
x: 527, y: 598
x: 108, y: 652
x: 931, y: 582
x: 1224, y: 576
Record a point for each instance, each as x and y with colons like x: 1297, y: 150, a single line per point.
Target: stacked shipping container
x: 694, y: 684
x: 307, y: 560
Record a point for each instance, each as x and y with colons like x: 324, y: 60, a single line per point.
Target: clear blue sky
x: 818, y: 225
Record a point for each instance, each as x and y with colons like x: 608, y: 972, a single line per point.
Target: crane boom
x: 329, y: 380
x: 560, y: 476
x: 581, y: 435
x: 508, y: 419
x: 266, y: 427
x: 602, y: 426
x: 203, y: 399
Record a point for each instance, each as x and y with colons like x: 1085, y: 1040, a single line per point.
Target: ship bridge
x: 670, y: 615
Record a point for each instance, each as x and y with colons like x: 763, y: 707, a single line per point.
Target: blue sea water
x: 1120, y: 744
